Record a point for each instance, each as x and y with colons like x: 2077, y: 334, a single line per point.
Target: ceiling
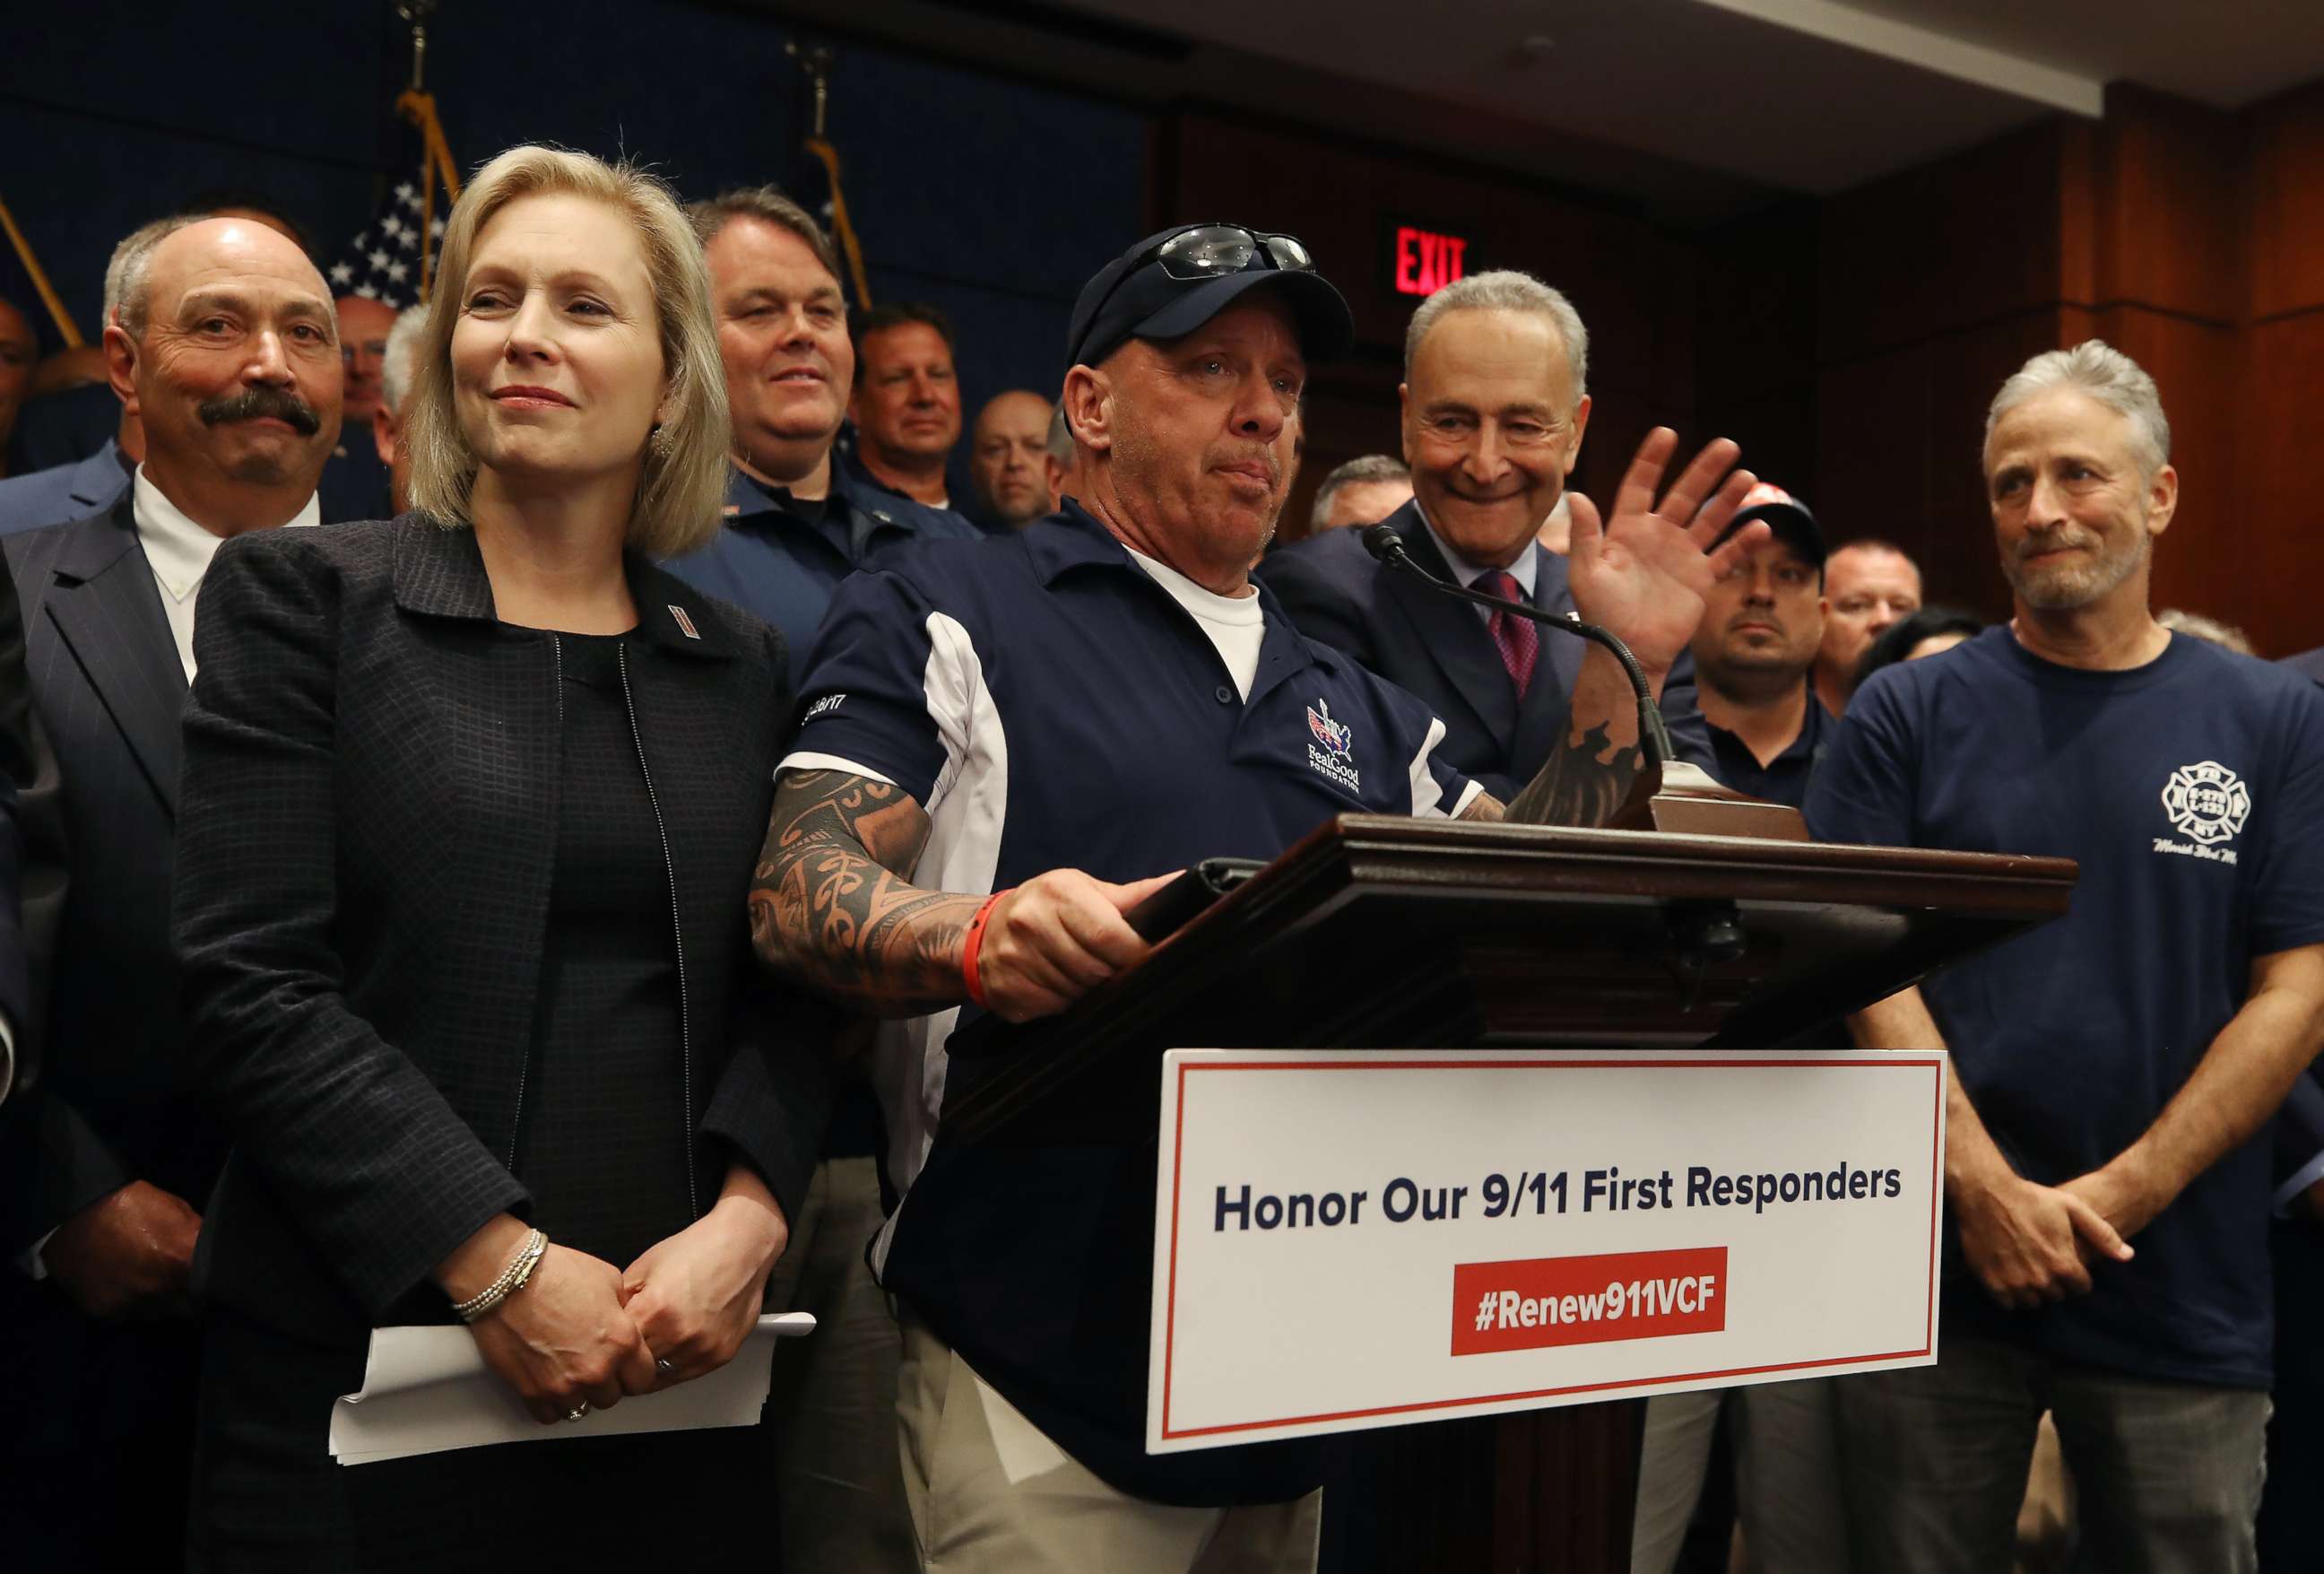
x: 1692, y: 108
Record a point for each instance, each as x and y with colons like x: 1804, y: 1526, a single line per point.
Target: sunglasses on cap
x: 1209, y: 250
x: 1214, y: 251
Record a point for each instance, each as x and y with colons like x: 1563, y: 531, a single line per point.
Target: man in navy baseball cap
x: 1174, y: 281
x: 1020, y: 740
x: 1186, y: 359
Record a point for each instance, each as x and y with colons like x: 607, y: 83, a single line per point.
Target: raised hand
x: 1645, y: 572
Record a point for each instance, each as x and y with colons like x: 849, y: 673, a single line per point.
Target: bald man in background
x: 1006, y: 454
x: 1868, y: 584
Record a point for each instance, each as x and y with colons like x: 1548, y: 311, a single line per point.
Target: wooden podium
x: 1401, y: 933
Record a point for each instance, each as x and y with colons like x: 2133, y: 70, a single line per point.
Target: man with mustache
x: 2106, y: 1210
x: 1010, y: 743
x: 224, y: 350
x: 1495, y: 404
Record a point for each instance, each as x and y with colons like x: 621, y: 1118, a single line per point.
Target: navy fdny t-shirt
x: 2192, y: 792
x: 1051, y: 705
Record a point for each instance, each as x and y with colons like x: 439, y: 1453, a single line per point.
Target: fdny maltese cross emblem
x: 2208, y: 804
x: 1332, y: 735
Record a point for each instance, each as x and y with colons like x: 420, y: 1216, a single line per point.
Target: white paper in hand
x: 427, y: 1390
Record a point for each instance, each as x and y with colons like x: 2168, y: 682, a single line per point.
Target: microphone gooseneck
x: 1653, y: 738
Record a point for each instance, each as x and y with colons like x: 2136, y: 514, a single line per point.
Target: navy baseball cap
x: 1788, y: 517
x: 1178, y: 279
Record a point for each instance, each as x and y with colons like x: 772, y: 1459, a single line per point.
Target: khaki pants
x: 834, y: 1401
x: 990, y: 1494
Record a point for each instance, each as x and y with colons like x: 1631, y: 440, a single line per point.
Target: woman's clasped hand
x: 581, y: 1334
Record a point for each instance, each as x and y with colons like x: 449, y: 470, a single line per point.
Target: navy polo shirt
x: 1051, y: 705
x: 780, y: 558
x: 1784, y: 779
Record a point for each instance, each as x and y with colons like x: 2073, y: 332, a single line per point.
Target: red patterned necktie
x: 1517, y: 638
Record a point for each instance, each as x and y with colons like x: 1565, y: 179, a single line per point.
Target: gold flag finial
x: 417, y: 13
x: 816, y: 61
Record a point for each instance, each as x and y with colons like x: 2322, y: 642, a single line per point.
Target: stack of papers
x: 427, y: 1390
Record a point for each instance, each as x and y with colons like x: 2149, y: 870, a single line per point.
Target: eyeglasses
x: 1213, y: 251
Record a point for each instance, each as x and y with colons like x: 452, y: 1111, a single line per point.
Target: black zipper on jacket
x: 524, y: 1066
x: 677, y: 929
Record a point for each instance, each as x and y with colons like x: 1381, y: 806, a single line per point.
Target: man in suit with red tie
x: 1495, y: 403
x: 225, y: 348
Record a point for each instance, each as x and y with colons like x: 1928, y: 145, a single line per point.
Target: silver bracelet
x: 512, y: 1280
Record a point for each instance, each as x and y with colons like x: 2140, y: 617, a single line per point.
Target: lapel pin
x: 685, y: 624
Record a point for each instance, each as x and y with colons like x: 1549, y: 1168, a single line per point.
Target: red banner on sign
x: 1543, y: 1301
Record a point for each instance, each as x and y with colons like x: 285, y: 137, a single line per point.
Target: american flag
x: 383, y: 262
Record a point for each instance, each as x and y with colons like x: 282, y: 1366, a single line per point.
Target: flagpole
x: 417, y: 106
x: 66, y: 328
x: 817, y: 61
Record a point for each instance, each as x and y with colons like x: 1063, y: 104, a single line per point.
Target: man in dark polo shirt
x: 2106, y: 1200
x: 1012, y: 741
x: 797, y: 525
x: 798, y: 520
x: 1761, y: 626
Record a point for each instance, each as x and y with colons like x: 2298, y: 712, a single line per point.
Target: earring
x: 660, y: 440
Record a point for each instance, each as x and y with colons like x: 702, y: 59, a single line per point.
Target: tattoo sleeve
x: 831, y: 908
x: 1582, y: 783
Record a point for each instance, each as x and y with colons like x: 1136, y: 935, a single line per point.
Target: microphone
x: 1653, y: 738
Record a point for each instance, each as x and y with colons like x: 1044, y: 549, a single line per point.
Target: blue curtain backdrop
x: 990, y: 197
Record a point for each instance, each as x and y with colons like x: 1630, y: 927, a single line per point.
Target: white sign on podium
x: 1346, y: 1240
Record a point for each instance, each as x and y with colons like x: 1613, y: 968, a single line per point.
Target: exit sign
x: 1421, y: 262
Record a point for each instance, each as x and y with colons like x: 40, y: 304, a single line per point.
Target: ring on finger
x: 578, y: 1412
x: 665, y: 1366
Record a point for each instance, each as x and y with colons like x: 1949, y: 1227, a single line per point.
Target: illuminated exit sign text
x: 1424, y: 261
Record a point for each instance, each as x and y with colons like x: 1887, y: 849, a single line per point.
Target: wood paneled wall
x: 1642, y: 290
x: 1852, y: 344
x: 2190, y: 240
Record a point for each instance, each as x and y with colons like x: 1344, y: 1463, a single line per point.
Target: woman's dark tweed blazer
x: 366, y: 837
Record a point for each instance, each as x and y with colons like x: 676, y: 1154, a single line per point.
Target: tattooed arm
x: 832, y: 906
x: 828, y: 908
x: 1588, y: 773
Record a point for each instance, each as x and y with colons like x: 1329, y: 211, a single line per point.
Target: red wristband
x: 973, y: 946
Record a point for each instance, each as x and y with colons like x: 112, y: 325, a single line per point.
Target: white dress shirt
x: 178, y: 551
